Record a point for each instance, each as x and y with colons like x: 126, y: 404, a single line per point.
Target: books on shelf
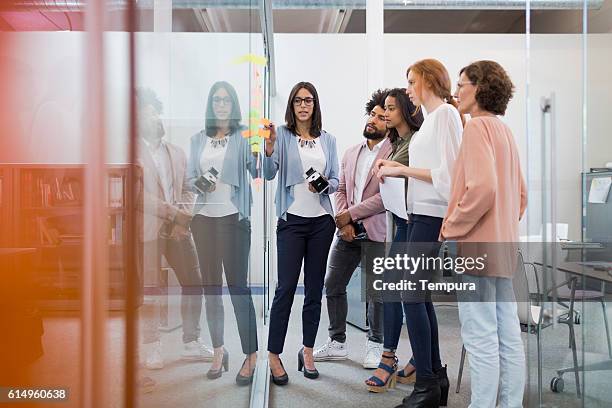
x: 115, y: 192
x: 48, y: 191
x: 115, y: 226
x: 46, y: 234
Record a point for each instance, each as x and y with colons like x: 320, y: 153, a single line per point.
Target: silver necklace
x: 310, y: 144
x: 219, y: 143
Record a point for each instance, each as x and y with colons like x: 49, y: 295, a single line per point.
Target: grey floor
x: 341, y: 384
x: 179, y: 384
x: 183, y: 384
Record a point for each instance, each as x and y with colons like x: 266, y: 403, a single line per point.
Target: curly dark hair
x: 147, y: 96
x: 412, y: 115
x: 494, y: 87
x: 377, y: 99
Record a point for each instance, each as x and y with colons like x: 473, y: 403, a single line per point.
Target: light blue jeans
x: 491, y: 333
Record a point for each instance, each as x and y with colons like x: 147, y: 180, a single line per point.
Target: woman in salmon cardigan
x: 488, y: 199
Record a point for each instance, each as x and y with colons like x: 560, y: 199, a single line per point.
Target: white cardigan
x: 435, y: 146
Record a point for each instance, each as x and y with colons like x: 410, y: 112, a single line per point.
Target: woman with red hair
x: 432, y: 153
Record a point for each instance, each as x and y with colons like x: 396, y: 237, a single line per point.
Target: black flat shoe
x: 312, y: 374
x: 281, y: 379
x: 214, y: 374
x: 244, y: 380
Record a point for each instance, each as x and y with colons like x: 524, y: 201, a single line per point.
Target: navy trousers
x: 421, y: 318
x: 300, y: 239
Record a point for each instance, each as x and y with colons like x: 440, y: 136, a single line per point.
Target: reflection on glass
x: 168, y: 203
x: 220, y: 167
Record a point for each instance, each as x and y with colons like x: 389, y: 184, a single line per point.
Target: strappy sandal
x: 380, y: 385
x: 406, y: 378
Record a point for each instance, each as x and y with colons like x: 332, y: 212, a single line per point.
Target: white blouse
x: 307, y: 203
x: 435, y: 146
x: 217, y: 203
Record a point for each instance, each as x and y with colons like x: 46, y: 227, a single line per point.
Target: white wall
x: 46, y: 106
x: 336, y: 65
x: 339, y: 73
x: 599, y: 99
x: 48, y: 70
x: 181, y: 68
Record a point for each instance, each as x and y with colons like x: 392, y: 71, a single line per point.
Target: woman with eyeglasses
x: 433, y: 151
x: 220, y: 163
x: 304, y: 158
x: 488, y: 199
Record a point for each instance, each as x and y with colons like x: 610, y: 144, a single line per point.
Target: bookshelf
x: 5, y: 207
x: 44, y: 209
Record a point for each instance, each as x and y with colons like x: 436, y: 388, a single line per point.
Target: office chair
x: 533, y: 319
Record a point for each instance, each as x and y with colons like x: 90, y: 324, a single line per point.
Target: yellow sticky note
x: 256, y: 148
x: 255, y: 59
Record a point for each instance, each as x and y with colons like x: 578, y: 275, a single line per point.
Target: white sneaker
x: 146, y: 385
x: 206, y: 350
x: 154, y: 359
x: 196, y: 351
x: 330, y: 351
x: 373, y: 354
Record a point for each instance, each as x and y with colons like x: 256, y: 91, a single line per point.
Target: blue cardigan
x: 239, y: 161
x: 286, y: 161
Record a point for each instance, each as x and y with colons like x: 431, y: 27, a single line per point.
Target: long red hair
x: 435, y: 75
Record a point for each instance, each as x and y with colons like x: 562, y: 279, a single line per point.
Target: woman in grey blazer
x: 220, y: 161
x: 305, y: 227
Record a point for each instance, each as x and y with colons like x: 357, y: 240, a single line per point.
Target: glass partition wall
x: 566, y: 157
x: 138, y: 235
x: 212, y: 85
x: 133, y: 201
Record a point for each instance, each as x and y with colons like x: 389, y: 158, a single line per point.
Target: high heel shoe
x: 444, y: 385
x: 281, y: 379
x: 214, y: 374
x: 380, y: 385
x: 406, y: 378
x: 244, y: 380
x: 312, y: 374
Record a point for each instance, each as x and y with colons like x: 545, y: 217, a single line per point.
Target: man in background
x: 360, y: 220
x: 167, y: 215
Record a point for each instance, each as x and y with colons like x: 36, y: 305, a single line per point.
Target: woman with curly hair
x: 488, y: 198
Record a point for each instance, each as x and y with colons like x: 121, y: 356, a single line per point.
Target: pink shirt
x: 488, y: 196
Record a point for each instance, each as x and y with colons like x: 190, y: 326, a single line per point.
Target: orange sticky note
x: 265, y: 122
x: 246, y: 133
x: 265, y: 133
x: 258, y: 182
